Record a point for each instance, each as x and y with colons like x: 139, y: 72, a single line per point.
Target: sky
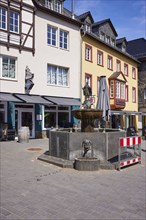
x: 127, y: 16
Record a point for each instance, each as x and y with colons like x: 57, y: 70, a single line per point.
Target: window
x: 54, y: 5
x: 3, y: 18
x: 57, y: 76
x: 8, y: 67
x: 133, y: 94
x: 118, y: 89
x: 88, y: 79
x: 112, y: 89
x: 55, y: 116
x: 102, y: 36
x: 133, y: 73
x: 88, y: 53
x: 145, y: 93
x: 122, y: 90
x: 3, y: 115
x: 107, y: 39
x: 118, y: 65
x: 14, y: 22
x: 87, y: 27
x: 109, y: 62
x: 126, y: 93
x: 100, y: 58
x: 63, y: 42
x: 52, y: 34
x: 112, y: 42
x: 125, y: 69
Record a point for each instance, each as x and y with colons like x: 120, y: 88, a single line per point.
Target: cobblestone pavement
x: 32, y: 189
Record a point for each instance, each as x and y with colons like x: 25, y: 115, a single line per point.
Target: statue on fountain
x: 87, y: 91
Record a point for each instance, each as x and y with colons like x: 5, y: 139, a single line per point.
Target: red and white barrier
x: 129, y: 142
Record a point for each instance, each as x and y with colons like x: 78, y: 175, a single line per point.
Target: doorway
x: 25, y: 117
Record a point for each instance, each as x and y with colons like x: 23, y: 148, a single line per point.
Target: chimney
x: 72, y: 10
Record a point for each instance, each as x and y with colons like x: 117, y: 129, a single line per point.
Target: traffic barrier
x: 132, y: 152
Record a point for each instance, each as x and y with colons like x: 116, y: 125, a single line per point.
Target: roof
x: 137, y: 47
x: 94, y: 36
x: 83, y: 16
x: 64, y: 16
x: 121, y: 40
x: 99, y: 23
x: 115, y: 75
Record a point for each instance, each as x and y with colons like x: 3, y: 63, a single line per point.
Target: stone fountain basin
x: 87, y: 113
x: 87, y: 164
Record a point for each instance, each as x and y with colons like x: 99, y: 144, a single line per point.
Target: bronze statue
x: 87, y: 90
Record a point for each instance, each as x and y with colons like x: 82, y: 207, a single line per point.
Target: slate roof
x: 137, y: 47
x: 103, y: 22
x: 84, y: 15
x: 121, y: 40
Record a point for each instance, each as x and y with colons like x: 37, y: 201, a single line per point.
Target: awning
x: 62, y: 101
x: 8, y: 97
x: 35, y: 99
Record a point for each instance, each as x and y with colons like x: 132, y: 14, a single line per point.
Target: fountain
x: 85, y: 149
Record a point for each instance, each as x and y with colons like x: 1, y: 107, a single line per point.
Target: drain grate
x: 34, y: 149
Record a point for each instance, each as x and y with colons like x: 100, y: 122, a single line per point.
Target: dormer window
x: 112, y: 42
x: 54, y: 5
x: 102, y: 36
x: 107, y: 39
x: 87, y: 27
x: 123, y: 48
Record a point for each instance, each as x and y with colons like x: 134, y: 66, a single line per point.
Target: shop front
x: 39, y: 113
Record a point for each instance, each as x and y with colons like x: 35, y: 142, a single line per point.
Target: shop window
x: 55, y: 116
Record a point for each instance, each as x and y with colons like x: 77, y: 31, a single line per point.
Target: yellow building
x: 103, y: 55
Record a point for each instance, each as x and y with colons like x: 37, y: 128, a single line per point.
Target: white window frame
x: 1, y: 68
x: 88, y: 79
x: 118, y: 90
x: 52, y: 28
x: 57, y: 6
x: 5, y: 18
x: 53, y: 78
x: 118, y: 65
x: 14, y: 25
x: 88, y: 53
x: 110, y: 62
x: 100, y: 58
x: 122, y: 90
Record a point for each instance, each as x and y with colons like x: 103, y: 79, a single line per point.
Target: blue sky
x: 127, y: 16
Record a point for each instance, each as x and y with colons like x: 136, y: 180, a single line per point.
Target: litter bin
x: 144, y: 132
x: 23, y: 135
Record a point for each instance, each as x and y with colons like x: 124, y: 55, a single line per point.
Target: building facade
x: 104, y: 55
x: 40, y: 65
x: 137, y: 48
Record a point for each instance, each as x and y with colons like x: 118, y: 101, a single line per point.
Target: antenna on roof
x: 72, y: 9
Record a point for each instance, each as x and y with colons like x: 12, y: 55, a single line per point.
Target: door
x: 26, y: 118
